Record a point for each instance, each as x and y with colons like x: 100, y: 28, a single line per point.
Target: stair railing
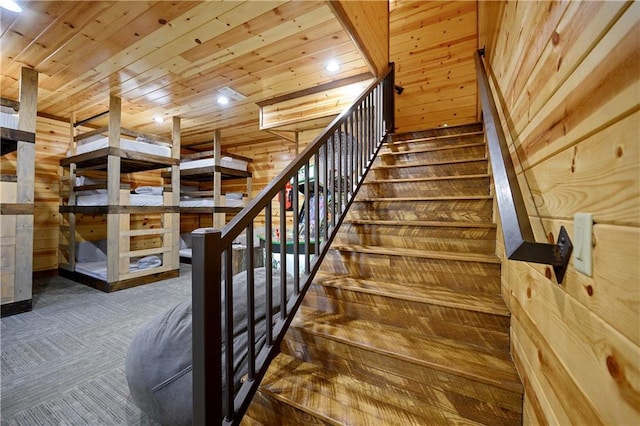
x: 291, y: 246
x: 519, y: 240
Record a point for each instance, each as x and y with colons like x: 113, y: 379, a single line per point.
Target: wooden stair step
x: 425, y: 254
x: 431, y: 149
x: 339, y: 399
x: 424, y: 179
x: 489, y: 303
x: 426, y: 163
x: 432, y: 154
x: 421, y: 351
x: 434, y: 134
x: 419, y: 199
x: 431, y: 223
x: 459, y: 275
x: 426, y: 188
x: 421, y: 309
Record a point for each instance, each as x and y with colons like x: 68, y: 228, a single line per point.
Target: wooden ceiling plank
x: 141, y: 27
x: 129, y: 61
x: 265, y: 38
x: 254, y: 18
x: 27, y: 27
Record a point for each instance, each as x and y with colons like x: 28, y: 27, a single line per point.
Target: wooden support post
x: 113, y: 192
x: 173, y: 219
x: 218, y: 218
x: 26, y: 180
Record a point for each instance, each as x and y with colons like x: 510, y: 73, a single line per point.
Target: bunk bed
x: 17, y: 146
x: 202, y: 201
x: 140, y: 244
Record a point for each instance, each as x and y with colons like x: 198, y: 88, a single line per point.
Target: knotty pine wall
x: 432, y: 45
x: 566, y: 76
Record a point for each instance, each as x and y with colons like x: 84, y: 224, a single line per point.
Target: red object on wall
x: 288, y: 197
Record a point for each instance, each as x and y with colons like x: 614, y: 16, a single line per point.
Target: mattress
x: 208, y: 202
x: 186, y: 252
x: 98, y: 269
x: 102, y: 199
x: 127, y: 144
x: 8, y: 118
x: 228, y: 162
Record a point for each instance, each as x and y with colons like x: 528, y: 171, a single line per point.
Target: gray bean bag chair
x: 159, y: 361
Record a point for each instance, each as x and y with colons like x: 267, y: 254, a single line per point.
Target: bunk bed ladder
x: 294, y: 240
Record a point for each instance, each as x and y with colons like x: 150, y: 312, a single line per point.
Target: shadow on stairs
x: 404, y: 324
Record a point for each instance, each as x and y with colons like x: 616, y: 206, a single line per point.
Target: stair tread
x: 425, y: 223
x: 425, y: 163
x: 453, y: 357
x: 427, y: 254
x: 435, y: 149
x: 425, y: 179
x: 342, y: 399
x: 433, y: 138
x: 490, y: 303
x: 442, y: 198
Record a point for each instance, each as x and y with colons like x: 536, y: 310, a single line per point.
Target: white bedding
x: 101, y: 199
x: 128, y: 144
x: 228, y: 162
x: 8, y: 118
x: 98, y: 269
x: 208, y: 202
x: 186, y: 252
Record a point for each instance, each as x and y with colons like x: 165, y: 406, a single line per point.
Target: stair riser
x: 458, y: 275
x: 271, y: 411
x: 486, y: 331
x: 462, y: 153
x: 445, y: 239
x: 436, y: 170
x: 436, y: 210
x: 432, y: 144
x: 452, y: 187
x: 465, y: 394
x: 458, y: 131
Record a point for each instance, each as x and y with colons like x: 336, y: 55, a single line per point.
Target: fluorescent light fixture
x: 222, y: 100
x: 158, y: 119
x: 10, y: 5
x: 332, y: 66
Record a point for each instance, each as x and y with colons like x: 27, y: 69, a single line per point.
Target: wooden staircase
x: 404, y: 323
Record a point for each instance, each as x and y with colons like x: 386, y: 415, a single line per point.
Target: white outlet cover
x: 582, y: 244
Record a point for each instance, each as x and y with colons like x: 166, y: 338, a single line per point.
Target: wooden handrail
x: 333, y: 167
x: 519, y: 240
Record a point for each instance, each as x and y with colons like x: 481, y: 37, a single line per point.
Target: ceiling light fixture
x: 10, y: 5
x: 332, y: 66
x: 222, y: 100
x: 158, y: 119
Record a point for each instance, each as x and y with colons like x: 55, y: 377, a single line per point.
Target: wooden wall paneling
x: 368, y: 24
x: 577, y: 33
x: 432, y: 45
x: 582, y: 342
x: 601, y: 178
x: 602, y: 88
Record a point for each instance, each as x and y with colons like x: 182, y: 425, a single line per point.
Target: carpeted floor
x: 63, y: 363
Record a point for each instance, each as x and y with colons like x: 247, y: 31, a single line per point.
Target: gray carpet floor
x: 63, y: 363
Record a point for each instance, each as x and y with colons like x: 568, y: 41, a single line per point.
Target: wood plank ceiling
x: 170, y: 58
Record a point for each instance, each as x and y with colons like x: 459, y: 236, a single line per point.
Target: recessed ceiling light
x: 158, y: 119
x: 222, y: 100
x: 332, y: 66
x: 10, y: 5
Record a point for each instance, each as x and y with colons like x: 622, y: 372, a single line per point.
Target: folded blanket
x: 148, y: 262
x: 151, y: 190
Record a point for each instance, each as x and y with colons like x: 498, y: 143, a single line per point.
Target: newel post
x: 206, y: 327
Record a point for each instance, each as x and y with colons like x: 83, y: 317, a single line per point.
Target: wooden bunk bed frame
x: 118, y: 161
x: 216, y: 173
x: 16, y: 237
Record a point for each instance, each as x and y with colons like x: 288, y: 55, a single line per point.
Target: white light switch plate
x: 582, y: 230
